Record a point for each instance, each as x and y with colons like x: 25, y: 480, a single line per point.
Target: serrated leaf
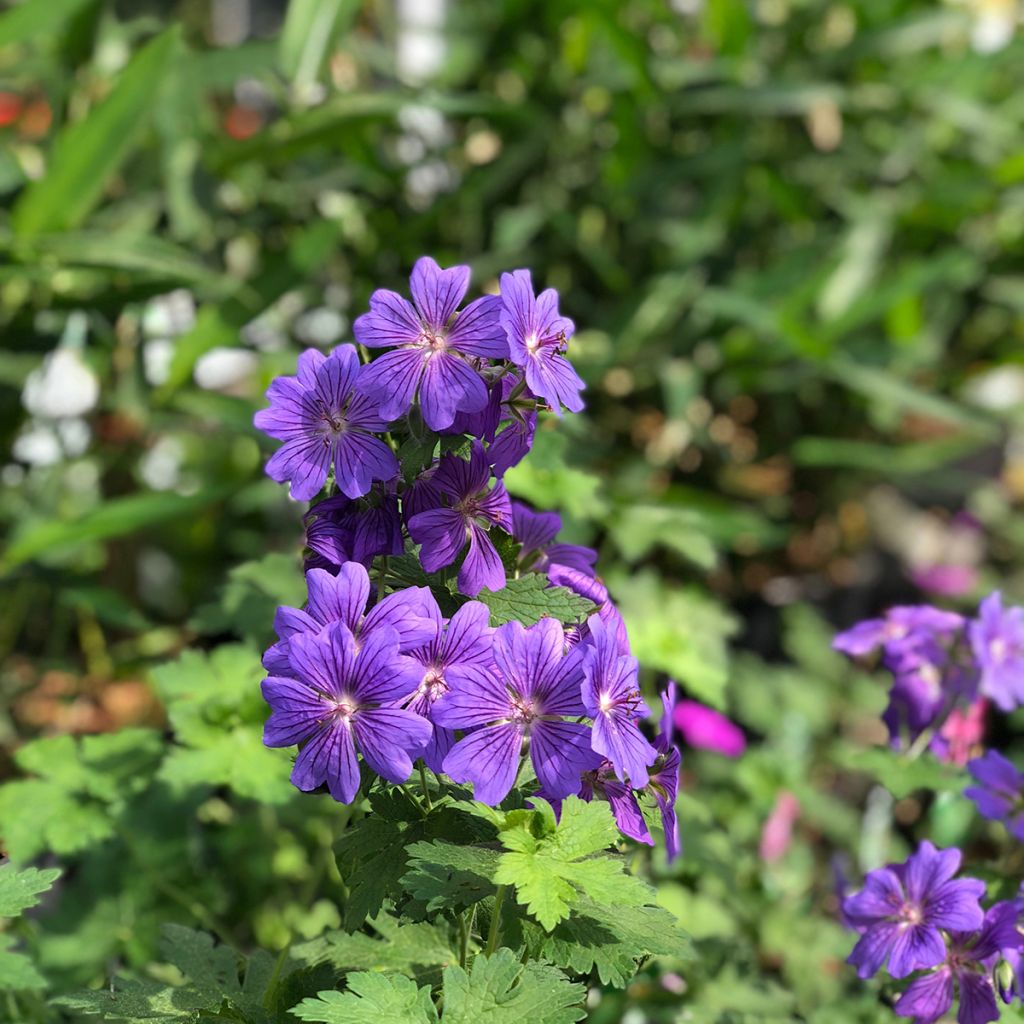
x: 551, y: 872
x: 415, y: 454
x: 212, y: 971
x: 500, y: 990
x: 38, y: 815
x: 131, y: 1000
x: 20, y: 890
x: 529, y: 599
x: 16, y: 970
x: 443, y: 876
x: 383, y: 999
x: 609, y: 939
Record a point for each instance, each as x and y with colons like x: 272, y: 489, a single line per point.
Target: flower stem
x: 382, y: 574
x: 423, y: 784
x: 494, y: 933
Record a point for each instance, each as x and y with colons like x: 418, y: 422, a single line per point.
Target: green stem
x: 494, y: 933
x: 382, y: 576
x: 272, y: 985
x: 423, y: 784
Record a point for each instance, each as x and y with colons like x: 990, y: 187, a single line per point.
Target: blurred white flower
x: 994, y: 25
x: 160, y: 467
x: 170, y: 314
x: 1000, y: 388
x: 156, y: 360
x: 63, y: 386
x: 38, y: 445
x: 221, y: 369
x: 74, y: 435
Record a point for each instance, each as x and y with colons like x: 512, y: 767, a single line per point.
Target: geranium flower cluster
x: 918, y: 917
x: 392, y: 661
x: 945, y: 669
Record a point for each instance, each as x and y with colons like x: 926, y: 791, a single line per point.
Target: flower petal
x: 488, y: 758
x: 561, y: 753
x: 389, y: 738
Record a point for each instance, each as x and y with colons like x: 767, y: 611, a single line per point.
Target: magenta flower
x: 322, y: 419
x: 903, y: 907
x: 535, y: 688
x: 443, y: 532
x: 967, y: 966
x: 611, y: 695
x: 537, y: 338
x: 999, y: 795
x: 537, y: 533
x: 342, y: 702
x: 461, y: 648
x: 706, y: 729
x: 431, y: 341
x: 342, y: 598
x: 997, y: 640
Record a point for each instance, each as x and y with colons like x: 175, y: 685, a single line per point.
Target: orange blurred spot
x: 242, y: 122
x: 10, y: 108
x: 36, y: 118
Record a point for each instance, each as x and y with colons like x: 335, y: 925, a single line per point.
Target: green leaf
x: 679, y: 630
x: 309, y: 29
x: 212, y: 971
x: 443, y: 876
x: 19, y: 889
x: 114, y: 518
x: 552, y: 871
x: 609, y: 939
x: 29, y: 22
x: 16, y: 970
x: 900, y: 776
x: 37, y: 815
x: 382, y: 999
x: 500, y: 990
x: 639, y: 529
x: 418, y: 949
x: 89, y: 152
x: 529, y: 599
x: 134, y: 1000
x: 547, y: 479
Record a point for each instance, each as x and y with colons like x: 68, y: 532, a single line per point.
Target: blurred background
x: 790, y: 233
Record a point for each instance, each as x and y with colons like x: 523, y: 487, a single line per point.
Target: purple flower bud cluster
x: 918, y: 917
x: 391, y: 660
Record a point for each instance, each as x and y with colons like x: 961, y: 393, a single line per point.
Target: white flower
x: 63, y: 386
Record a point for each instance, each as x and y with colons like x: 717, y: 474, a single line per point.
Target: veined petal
x: 436, y: 292
x: 340, y: 598
x: 561, y: 753
x: 381, y: 674
x: 449, y: 384
x: 412, y: 613
x: 468, y: 636
x: 475, y: 697
x: 359, y: 459
x: 928, y: 997
x: 389, y: 738
x: 296, y: 711
x: 304, y: 462
x: 488, y: 758
x: 622, y: 743
x: 336, y: 376
x: 441, y: 533
x: 391, y: 321
x: 477, y: 330
x: 391, y: 380
x: 482, y: 567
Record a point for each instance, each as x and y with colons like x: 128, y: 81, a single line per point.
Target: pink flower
x: 705, y: 728
x: 777, y: 833
x: 961, y: 733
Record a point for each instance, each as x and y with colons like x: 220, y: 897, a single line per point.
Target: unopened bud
x: 1004, y: 979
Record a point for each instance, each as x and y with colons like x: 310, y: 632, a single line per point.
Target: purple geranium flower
x: 537, y: 338
x: 340, y: 530
x: 997, y: 640
x: 611, y: 695
x: 536, y: 686
x: 342, y: 700
x: 903, y: 907
x: 536, y: 532
x: 460, y: 653
x: 431, y: 338
x: 593, y: 590
x: 342, y: 598
x: 321, y: 418
x: 706, y: 729
x: 901, y: 628
x: 443, y: 532
x: 1000, y: 793
x: 664, y: 777
x: 969, y: 964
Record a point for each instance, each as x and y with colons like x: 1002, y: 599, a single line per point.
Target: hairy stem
x: 494, y: 933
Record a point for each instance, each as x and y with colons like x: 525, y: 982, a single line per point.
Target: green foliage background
x: 790, y: 234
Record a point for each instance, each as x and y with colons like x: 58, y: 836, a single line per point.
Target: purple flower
x: 431, y: 338
x: 443, y: 532
x: 321, y: 418
x: 536, y: 686
x: 593, y: 590
x: 342, y: 598
x: 611, y: 695
x: 536, y: 532
x: 901, y: 628
x: 342, y: 701
x: 997, y: 640
x: 537, y: 338
x: 706, y: 729
x: 1000, y: 793
x: 903, y: 906
x: 923, y: 687
x: 460, y: 650
x: 340, y: 530
x: 625, y: 809
x: 969, y: 963
x: 664, y: 776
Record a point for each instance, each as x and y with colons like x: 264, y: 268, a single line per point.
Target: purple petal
x: 475, y: 697
x: 324, y: 660
x: 628, y: 816
x: 391, y: 380
x: 977, y: 999
x: 391, y: 321
x: 927, y: 998
x: 624, y: 745
x: 561, y: 753
x: 997, y: 772
x: 329, y: 757
x: 477, y: 330
x: 914, y: 948
x: 449, y: 384
x: 436, y: 292
x: 340, y: 598
x: 534, y: 530
x: 872, y: 948
x: 359, y: 459
x: 496, y: 506
x: 441, y: 534
x: 412, y: 613
x: 488, y: 758
x: 468, y: 636
x: 382, y: 675
x: 527, y: 656
x: 552, y: 377
x: 289, y: 621
x: 305, y: 462
x: 336, y: 376
x: 517, y: 316
x: 928, y: 868
x: 955, y: 905
x: 881, y: 897
x: 296, y: 708
x: 441, y: 742
x: 389, y: 738
x: 482, y: 567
